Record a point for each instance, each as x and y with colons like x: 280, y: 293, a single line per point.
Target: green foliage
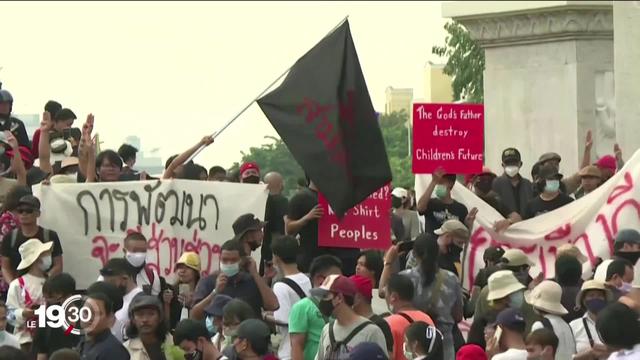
x: 465, y: 63
x: 395, y: 135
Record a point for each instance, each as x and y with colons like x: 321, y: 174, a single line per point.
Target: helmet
x: 5, y: 96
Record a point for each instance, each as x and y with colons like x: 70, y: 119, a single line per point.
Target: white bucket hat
x: 399, y: 193
x: 547, y: 297
x: 60, y: 156
x: 516, y: 257
x: 31, y: 250
x: 502, y: 284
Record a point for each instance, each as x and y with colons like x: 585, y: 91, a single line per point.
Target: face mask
x: 595, y: 305
x: 407, y: 354
x: 251, y: 180
x: 136, y: 259
x: 484, y: 186
x: 46, y: 263
x: 326, y: 307
x: 632, y: 256
x: 516, y: 300
x: 455, y: 250
x: 511, y: 171
x: 441, y: 191
x: 230, y: 269
x: 211, y: 327
x: 552, y: 186
x: 626, y: 287
x: 228, y: 332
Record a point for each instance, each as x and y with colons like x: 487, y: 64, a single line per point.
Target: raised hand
x: 207, y: 140
x: 471, y: 217
x: 46, y: 124
x: 11, y: 140
x: 588, y: 142
x: 438, y: 174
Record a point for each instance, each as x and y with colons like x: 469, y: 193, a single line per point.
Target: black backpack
x: 338, y: 349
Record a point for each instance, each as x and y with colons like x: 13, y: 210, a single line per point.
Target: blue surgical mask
x: 595, y: 305
x: 211, y: 327
x: 230, y: 269
x: 552, y: 186
x: 516, y: 300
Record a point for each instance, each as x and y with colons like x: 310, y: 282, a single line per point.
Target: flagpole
x: 216, y: 133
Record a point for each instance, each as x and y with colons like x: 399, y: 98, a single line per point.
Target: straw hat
x: 516, y: 257
x: 190, y: 260
x: 502, y: 284
x: 571, y: 250
x: 31, y: 250
x: 546, y: 297
x: 592, y: 285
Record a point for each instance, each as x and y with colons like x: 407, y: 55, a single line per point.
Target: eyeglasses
x: 26, y: 211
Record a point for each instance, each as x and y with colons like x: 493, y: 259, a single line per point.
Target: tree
x: 465, y: 63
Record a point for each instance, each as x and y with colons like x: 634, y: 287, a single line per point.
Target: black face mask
x: 484, y: 185
x: 251, y: 180
x: 632, y: 256
x: 326, y: 307
x: 455, y: 250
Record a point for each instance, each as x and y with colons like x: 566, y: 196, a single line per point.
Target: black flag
x: 323, y: 113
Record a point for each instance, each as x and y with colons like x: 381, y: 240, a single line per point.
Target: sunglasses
x: 26, y: 211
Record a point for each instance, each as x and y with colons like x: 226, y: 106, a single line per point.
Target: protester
x: 573, y: 251
x: 65, y: 354
x: 56, y: 290
x: 148, y: 335
x: 5, y: 337
x: 550, y: 197
x: 401, y: 203
x: 362, y: 306
x: 7, y: 122
x: 28, y: 210
x: 619, y: 328
x: 569, y: 277
x: 248, y: 230
x: 250, y: 173
x: 214, y: 319
x: 128, y: 154
x: 505, y: 337
x: 276, y: 210
x: 217, y: 173
x: 545, y: 299
x: 10, y: 353
x: 305, y: 319
x: 627, y: 245
x: 399, y: 295
x: 452, y: 237
x: 177, y: 299
x: 252, y: 340
x: 519, y: 263
x: 118, y: 272
x: 234, y: 312
x: 370, y: 265
x: 52, y: 107
x: 11, y: 163
x: 442, y: 208
x: 293, y: 287
x: 619, y: 276
x: 422, y: 341
x: 471, y: 352
x: 243, y: 282
x: 593, y: 297
x: 608, y: 165
x: 483, y: 188
x: 568, y: 185
x: 542, y: 344
x: 99, y: 343
x: 192, y: 337
x: 367, y: 351
x: 174, y: 167
x: 590, y: 179
x: 336, y: 297
x: 492, y: 256
x: 514, y: 191
x: 437, y: 291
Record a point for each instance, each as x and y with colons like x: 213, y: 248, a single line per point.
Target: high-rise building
x: 398, y: 100
x: 437, y: 85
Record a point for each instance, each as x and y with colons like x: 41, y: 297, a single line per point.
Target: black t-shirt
x: 103, y: 346
x: 494, y: 201
x: 537, y: 206
x: 276, y: 209
x: 438, y: 212
x: 48, y: 340
x: 12, y: 251
x: 240, y: 286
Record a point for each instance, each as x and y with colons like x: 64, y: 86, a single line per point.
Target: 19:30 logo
x: 64, y: 316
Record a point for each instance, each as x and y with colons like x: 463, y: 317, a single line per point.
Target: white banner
x: 590, y: 223
x: 174, y: 215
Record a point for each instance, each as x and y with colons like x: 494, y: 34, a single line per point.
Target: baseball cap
x: 117, y: 266
x: 142, y: 301
x: 367, y: 351
x: 511, y: 319
x: 493, y: 253
x: 399, y: 192
x: 337, y: 284
x: 256, y: 332
x: 607, y: 162
x: 363, y: 285
x: 216, y: 306
x: 590, y: 171
x: 249, y: 169
x: 5, y: 96
x: 189, y: 329
x: 511, y: 155
x: 549, y: 156
x: 454, y: 227
x: 549, y: 172
x: 628, y: 236
x: 471, y: 352
x: 190, y: 259
x: 245, y: 223
x: 29, y: 201
x: 516, y: 257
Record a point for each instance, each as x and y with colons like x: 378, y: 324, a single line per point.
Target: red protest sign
x: 365, y: 226
x: 449, y: 136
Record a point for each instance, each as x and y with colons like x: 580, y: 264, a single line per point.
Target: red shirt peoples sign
x: 449, y: 136
x: 365, y: 226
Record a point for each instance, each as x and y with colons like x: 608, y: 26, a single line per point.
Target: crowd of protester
x: 301, y: 301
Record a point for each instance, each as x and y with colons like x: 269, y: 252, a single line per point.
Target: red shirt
x: 399, y: 324
x: 35, y: 142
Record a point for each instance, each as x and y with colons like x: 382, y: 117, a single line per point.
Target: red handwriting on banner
x: 164, y: 250
x: 365, y: 226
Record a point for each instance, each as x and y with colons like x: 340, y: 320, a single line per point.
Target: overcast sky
x: 173, y: 72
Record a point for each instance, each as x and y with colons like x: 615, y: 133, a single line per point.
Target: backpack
x: 46, y: 233
x: 546, y: 323
x: 148, y: 289
x: 338, y: 349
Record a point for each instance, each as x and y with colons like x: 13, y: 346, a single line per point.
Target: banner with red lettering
x: 365, y: 226
x: 449, y: 136
x: 175, y: 216
x: 591, y: 223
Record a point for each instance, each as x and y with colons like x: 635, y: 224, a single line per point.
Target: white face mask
x: 136, y: 259
x: 511, y: 171
x: 46, y: 263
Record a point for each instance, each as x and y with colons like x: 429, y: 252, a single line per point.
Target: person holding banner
x: 551, y: 197
x: 175, y: 167
x: 514, y: 190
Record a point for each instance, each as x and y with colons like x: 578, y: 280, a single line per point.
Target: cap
x: 190, y: 260
x: 5, y: 96
x: 511, y: 155
x: 511, y: 319
x: 142, y: 301
x: 471, y: 352
x: 256, y: 332
x: 607, y: 162
x: 454, y: 227
x: 29, y: 201
x: 571, y: 250
x: 549, y: 172
x: 215, y: 307
x: 628, y: 236
x: 549, y: 156
x: 249, y: 169
x: 337, y: 284
x: 367, y: 351
x: 502, y: 284
x: 547, y: 296
x: 363, y: 285
x: 31, y: 250
x: 117, y: 266
x: 68, y: 162
x: 493, y: 253
x: 590, y: 171
x: 516, y: 257
x: 399, y: 192
x: 189, y: 329
x: 245, y: 223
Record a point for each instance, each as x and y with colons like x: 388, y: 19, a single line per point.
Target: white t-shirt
x: 633, y: 354
x: 16, y: 302
x: 511, y: 354
x: 286, y: 298
x: 580, y: 334
x: 142, y: 279
x: 122, y: 315
x: 9, y: 340
x: 566, y: 342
